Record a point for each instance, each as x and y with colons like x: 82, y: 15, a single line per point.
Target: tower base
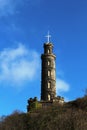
x: 34, y: 104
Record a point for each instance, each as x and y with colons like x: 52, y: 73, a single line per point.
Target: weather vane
x: 48, y: 37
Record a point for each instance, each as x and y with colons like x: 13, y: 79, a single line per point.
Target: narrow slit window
x: 48, y: 63
x: 48, y: 51
x: 49, y: 73
x: 49, y: 97
x: 49, y: 85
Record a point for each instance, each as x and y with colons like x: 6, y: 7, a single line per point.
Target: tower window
x: 48, y: 51
x: 49, y: 73
x: 49, y: 85
x: 49, y: 97
x: 54, y: 64
x: 48, y: 63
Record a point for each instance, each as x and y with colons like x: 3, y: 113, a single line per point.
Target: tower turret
x: 48, y: 78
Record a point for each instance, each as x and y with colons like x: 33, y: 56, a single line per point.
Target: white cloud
x: 18, y: 65
x: 61, y: 86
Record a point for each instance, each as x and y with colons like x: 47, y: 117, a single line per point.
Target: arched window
x: 48, y: 51
x: 49, y: 73
x: 48, y: 63
x: 49, y: 97
x: 49, y: 84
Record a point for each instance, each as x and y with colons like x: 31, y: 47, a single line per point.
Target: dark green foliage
x: 33, y: 104
x: 80, y: 103
x: 70, y: 116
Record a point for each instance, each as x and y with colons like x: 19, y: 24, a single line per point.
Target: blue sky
x: 23, y: 27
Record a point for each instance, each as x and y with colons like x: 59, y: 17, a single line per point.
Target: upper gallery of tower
x: 48, y: 46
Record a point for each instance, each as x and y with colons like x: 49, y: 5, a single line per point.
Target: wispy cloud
x: 18, y: 65
x: 11, y: 6
x: 62, y: 86
x: 7, y: 7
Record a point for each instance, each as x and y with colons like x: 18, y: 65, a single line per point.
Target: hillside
x: 70, y: 116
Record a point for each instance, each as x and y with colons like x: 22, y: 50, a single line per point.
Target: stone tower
x: 48, y: 78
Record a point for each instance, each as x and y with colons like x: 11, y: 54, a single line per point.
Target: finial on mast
x: 48, y: 37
